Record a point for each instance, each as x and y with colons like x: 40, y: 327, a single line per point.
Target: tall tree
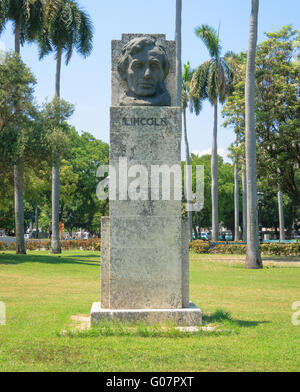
x: 187, y: 100
x: 253, y: 257
x: 67, y: 27
x: 236, y: 202
x: 244, y: 190
x: 178, y: 49
x: 212, y: 80
x: 27, y: 18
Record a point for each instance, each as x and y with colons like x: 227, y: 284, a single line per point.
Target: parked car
x: 205, y: 236
x: 227, y: 236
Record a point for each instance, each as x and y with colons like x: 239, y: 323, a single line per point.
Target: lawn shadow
x: 13, y: 259
x: 282, y: 259
x: 220, y: 315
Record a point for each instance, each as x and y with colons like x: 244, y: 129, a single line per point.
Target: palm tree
x: 178, y: 49
x: 194, y: 105
x: 67, y: 27
x: 212, y: 80
x: 280, y: 209
x: 244, y: 187
x: 27, y: 18
x: 253, y: 258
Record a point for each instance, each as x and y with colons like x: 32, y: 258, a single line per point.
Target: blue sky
x: 86, y: 82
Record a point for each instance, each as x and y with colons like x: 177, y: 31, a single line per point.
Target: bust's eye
x: 155, y: 65
x: 137, y: 64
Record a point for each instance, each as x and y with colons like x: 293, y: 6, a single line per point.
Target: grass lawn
x: 42, y: 292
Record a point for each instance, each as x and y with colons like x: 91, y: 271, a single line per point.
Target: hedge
x: 199, y: 246
x: 277, y: 249
x: 272, y: 249
x: 91, y: 244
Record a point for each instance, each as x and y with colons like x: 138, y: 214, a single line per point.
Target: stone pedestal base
x: 191, y: 316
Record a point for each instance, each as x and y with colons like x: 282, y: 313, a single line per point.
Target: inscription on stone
x: 152, y: 121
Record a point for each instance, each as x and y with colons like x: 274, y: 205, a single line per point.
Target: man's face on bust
x: 145, y: 71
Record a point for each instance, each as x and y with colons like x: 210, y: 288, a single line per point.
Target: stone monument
x: 144, y: 241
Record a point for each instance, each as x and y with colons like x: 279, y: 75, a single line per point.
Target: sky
x: 87, y: 82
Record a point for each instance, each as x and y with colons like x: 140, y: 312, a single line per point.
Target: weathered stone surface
x: 144, y: 208
x: 145, y: 278
x: 144, y: 232
x: 150, y: 148
x: 185, y: 263
x: 105, y: 261
x: 191, y: 316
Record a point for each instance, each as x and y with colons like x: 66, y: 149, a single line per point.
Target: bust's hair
x: 135, y: 46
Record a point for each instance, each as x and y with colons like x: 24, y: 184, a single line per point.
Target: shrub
x: 37, y: 244
x: 3, y: 246
x: 230, y: 249
x: 280, y: 249
x: 90, y: 244
x: 12, y: 246
x: 199, y: 246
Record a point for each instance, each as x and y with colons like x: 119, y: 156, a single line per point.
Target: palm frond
x: 209, y: 37
x: 199, y: 82
x: 85, y: 34
x: 44, y: 42
x: 3, y: 15
x: 69, y: 27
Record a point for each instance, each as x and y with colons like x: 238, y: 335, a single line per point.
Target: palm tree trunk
x: 178, y: 50
x: 18, y: 178
x: 281, y: 214
x: 214, y: 178
x: 17, y: 36
x: 19, y: 208
x: 36, y: 222
x: 253, y: 258
x: 55, y: 240
x: 236, y: 203
x: 188, y: 179
x: 58, y: 69
x: 244, y: 186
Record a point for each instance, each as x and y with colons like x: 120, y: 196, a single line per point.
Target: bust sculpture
x: 144, y: 65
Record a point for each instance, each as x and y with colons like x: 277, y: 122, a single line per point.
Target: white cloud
x: 221, y: 151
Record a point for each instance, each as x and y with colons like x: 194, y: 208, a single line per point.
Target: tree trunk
x: 18, y: 178
x: 214, y: 177
x: 188, y: 179
x: 178, y: 101
x: 58, y: 69
x: 281, y: 214
x: 244, y: 185
x: 253, y: 258
x: 178, y: 50
x: 55, y: 240
x: 199, y: 224
x: 236, y: 204
x: 17, y: 36
x: 19, y: 208
x: 36, y: 222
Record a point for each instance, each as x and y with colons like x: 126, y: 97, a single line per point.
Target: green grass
x: 251, y: 310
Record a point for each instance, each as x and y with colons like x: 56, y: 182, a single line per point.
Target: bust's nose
x: 147, y: 73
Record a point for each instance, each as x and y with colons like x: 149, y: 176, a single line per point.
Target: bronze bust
x: 144, y: 65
